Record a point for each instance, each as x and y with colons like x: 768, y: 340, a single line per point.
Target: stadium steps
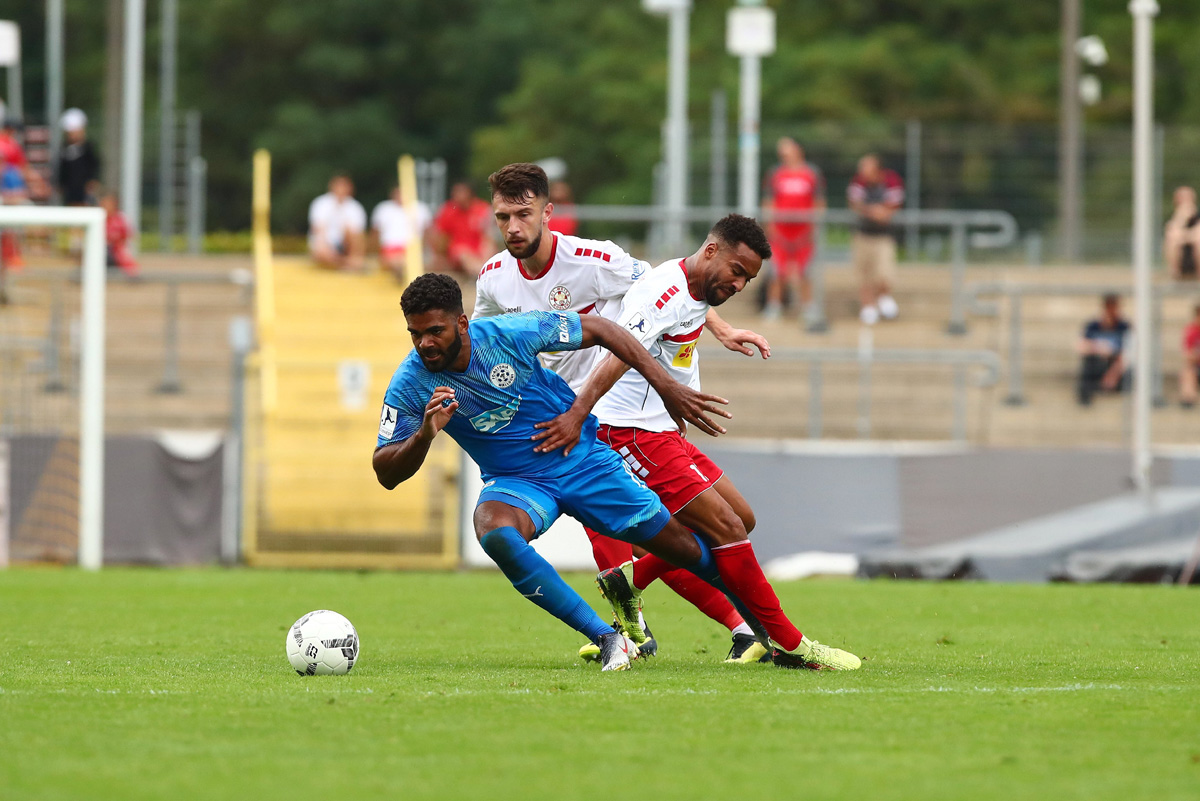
x: 317, y: 488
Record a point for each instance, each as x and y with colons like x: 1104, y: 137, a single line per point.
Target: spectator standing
x: 461, y: 228
x: 1182, y: 235
x: 1189, y: 371
x: 875, y: 194
x: 14, y: 187
x: 562, y: 220
x: 117, y: 233
x: 795, y: 186
x: 395, y: 231
x: 77, y: 172
x: 337, y: 225
x: 1102, y: 347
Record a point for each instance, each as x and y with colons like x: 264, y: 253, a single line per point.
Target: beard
x: 446, y: 357
x: 528, y: 250
x: 716, y: 296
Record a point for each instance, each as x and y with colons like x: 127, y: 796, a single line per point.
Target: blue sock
x: 537, y: 580
x: 706, y: 568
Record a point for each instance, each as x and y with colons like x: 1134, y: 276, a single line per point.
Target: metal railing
x: 866, y: 356
x: 171, y: 381
x: 1016, y: 292
x: 968, y: 229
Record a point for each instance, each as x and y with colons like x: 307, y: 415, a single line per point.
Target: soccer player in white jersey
x: 665, y: 311
x: 540, y: 270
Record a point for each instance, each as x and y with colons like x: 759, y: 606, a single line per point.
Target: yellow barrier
x: 407, y: 170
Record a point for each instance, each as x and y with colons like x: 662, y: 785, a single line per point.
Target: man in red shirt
x: 875, y: 194
x: 795, y: 186
x: 460, y: 231
x: 1189, y: 371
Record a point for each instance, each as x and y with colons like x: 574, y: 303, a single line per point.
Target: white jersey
x: 584, y: 275
x: 391, y: 220
x: 336, y: 217
x: 662, y: 314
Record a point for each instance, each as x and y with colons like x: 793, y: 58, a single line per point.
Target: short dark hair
x: 735, y: 229
x: 1110, y: 299
x: 431, y: 292
x: 514, y: 182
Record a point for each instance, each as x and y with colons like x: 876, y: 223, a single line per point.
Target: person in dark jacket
x: 78, y: 170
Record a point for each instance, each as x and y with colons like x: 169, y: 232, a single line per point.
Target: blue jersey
x: 501, y: 395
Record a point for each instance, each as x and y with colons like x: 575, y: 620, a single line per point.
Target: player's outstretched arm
x: 683, y: 403
x: 400, y: 461
x: 736, y: 339
x: 563, y: 431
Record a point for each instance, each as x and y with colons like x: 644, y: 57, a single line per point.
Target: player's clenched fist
x: 438, y: 411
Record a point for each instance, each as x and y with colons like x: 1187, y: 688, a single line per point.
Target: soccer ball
x: 322, y: 643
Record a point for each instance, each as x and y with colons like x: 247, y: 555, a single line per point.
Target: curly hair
x: 432, y: 292
x: 515, y: 182
x: 735, y: 229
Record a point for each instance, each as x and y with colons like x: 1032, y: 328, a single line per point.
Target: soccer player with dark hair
x: 665, y: 312
x: 481, y: 381
x: 547, y: 271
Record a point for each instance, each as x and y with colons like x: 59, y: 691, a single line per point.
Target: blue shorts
x: 601, y: 492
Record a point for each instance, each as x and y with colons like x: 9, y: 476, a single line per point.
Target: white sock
x: 742, y: 628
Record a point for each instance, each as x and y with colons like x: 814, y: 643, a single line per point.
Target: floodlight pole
x: 131, y: 116
x: 676, y: 127
x: 166, y: 110
x: 54, y: 76
x: 749, y: 34
x: 1143, y: 12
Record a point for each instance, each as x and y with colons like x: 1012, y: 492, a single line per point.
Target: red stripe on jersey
x: 606, y: 257
x: 683, y: 266
x: 549, y: 264
x: 587, y: 308
x: 688, y: 337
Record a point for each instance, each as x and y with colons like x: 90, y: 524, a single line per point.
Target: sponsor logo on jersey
x: 564, y: 332
x: 387, y: 422
x: 637, y: 324
x: 498, y: 418
x: 560, y: 298
x: 639, y: 269
x: 503, y: 375
x: 683, y: 358
x: 513, y: 310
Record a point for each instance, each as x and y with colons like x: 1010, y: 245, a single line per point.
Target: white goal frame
x: 91, y: 363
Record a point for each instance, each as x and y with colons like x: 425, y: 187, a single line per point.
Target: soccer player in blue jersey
x: 481, y: 381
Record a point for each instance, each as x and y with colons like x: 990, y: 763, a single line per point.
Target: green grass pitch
x: 172, y: 684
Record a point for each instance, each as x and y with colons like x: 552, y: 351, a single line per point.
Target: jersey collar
x: 553, y: 255
x: 683, y: 266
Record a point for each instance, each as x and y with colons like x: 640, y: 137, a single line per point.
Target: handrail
x: 1017, y: 291
x: 867, y: 355
x: 999, y: 230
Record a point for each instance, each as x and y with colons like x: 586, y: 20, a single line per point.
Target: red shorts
x: 393, y: 251
x: 791, y: 249
x: 670, y: 465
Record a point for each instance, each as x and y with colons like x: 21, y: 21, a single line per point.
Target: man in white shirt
x: 336, y: 227
x: 540, y: 270
x: 395, y: 231
x: 665, y: 312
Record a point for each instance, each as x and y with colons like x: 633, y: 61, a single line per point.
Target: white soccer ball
x: 322, y: 643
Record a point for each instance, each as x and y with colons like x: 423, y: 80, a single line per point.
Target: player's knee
x: 728, y: 528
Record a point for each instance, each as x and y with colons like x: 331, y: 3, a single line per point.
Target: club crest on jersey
x: 503, y: 375
x: 560, y: 298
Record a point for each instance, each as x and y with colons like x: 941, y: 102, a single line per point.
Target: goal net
x: 52, y: 394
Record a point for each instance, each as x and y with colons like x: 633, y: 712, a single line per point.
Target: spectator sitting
x: 1182, y: 235
x: 461, y: 228
x: 78, y: 168
x: 117, y: 234
x: 337, y: 227
x: 1102, y: 347
x: 562, y: 219
x: 395, y: 231
x: 875, y: 194
x: 1189, y: 372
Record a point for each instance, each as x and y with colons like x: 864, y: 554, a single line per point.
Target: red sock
x: 743, y: 576
x: 702, y: 595
x: 650, y: 568
x: 608, y: 552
